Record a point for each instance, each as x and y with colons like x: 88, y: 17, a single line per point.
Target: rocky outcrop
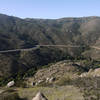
x: 91, y: 73
x: 39, y: 96
x: 54, y: 72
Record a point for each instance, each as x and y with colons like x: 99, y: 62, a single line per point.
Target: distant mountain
x: 23, y: 33
x: 17, y: 33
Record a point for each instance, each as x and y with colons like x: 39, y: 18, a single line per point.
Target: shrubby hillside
x: 16, y: 33
x: 23, y: 33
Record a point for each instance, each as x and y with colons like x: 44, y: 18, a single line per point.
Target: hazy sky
x: 50, y: 8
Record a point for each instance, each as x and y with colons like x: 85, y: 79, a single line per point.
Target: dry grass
x: 9, y: 94
x: 54, y: 93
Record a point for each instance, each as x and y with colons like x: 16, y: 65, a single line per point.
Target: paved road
x: 15, y: 50
x: 37, y: 46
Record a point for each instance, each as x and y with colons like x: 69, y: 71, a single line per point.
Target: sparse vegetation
x: 9, y: 94
x: 43, y: 62
x: 53, y: 93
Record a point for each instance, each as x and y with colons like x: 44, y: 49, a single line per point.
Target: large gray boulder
x: 39, y: 96
x: 10, y: 84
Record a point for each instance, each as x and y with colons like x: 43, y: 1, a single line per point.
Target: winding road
x: 37, y: 46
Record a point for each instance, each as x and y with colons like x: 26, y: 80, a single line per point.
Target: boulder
x: 90, y: 71
x: 97, y: 70
x: 10, y: 84
x: 84, y: 74
x: 47, y: 79
x: 39, y: 96
x: 39, y: 82
x: 33, y: 84
x: 52, y: 79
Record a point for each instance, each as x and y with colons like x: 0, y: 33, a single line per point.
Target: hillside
x: 17, y: 33
x: 70, y: 81
x: 23, y: 33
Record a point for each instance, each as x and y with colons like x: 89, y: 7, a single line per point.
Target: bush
x: 9, y: 96
x: 64, y: 81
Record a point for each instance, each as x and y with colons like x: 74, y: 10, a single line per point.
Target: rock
x: 94, y: 75
x: 40, y: 81
x: 84, y: 74
x: 47, y: 79
x: 36, y: 83
x: 98, y: 75
x: 39, y: 96
x: 97, y: 70
x: 10, y: 84
x: 52, y: 79
x: 33, y: 84
x: 90, y: 71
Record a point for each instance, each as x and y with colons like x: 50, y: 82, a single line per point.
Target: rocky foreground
x: 64, y: 80
x: 54, y: 93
